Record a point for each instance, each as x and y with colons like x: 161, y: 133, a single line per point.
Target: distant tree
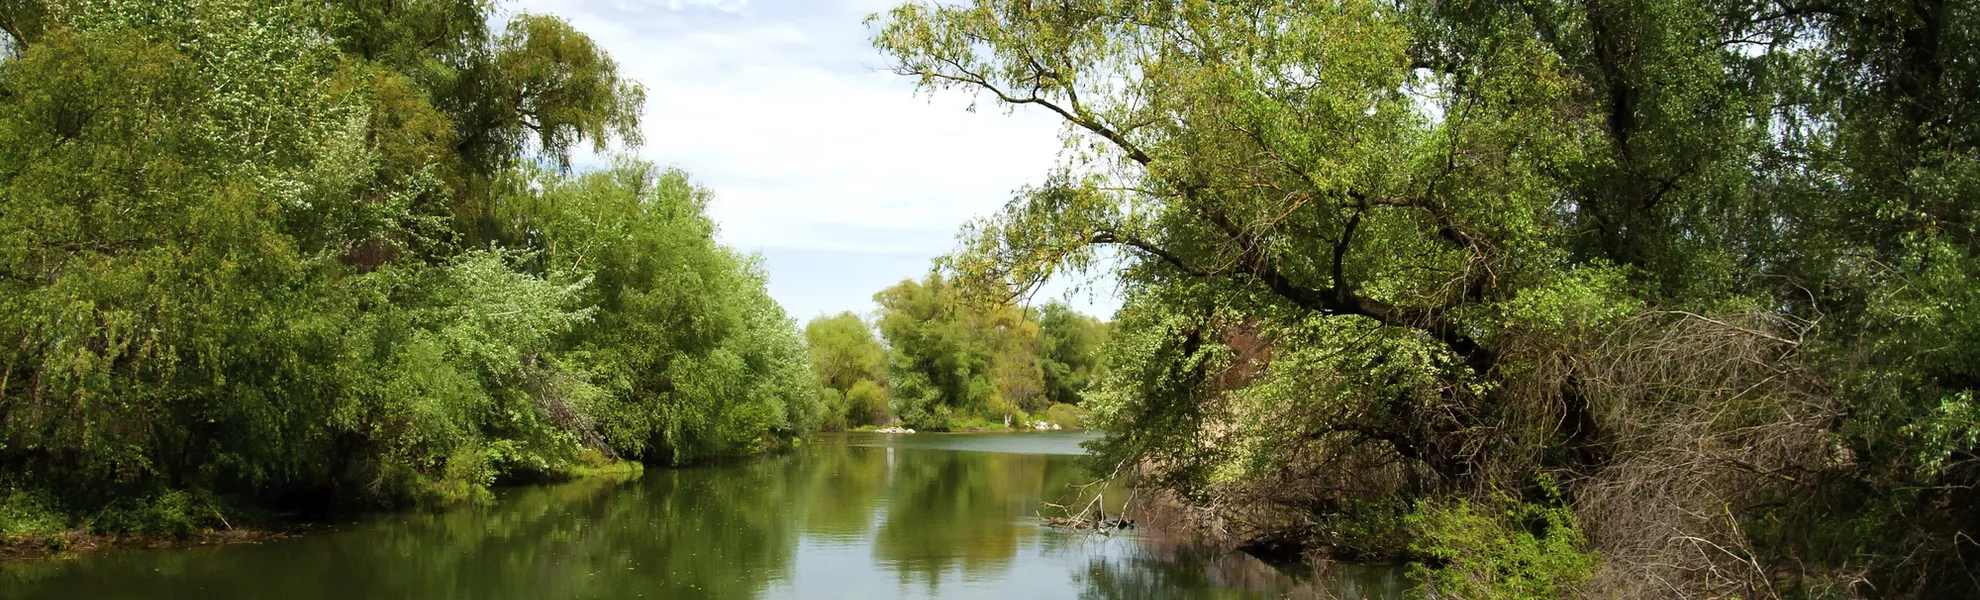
x: 851, y: 368
x: 1069, y: 351
x: 951, y: 357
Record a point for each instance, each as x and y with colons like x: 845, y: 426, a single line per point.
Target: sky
x: 842, y: 176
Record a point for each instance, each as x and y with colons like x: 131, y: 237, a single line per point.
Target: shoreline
x: 77, y: 543
x: 908, y: 431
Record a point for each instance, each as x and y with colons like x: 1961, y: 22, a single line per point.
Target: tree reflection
x: 895, y: 518
x: 957, y: 510
x: 1158, y: 572
x: 841, y: 486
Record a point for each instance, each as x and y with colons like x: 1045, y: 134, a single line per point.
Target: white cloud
x: 721, y: 5
x: 776, y: 105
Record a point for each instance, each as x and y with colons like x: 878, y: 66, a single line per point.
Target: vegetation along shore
x: 1539, y: 299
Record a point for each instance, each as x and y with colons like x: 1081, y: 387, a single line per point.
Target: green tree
x: 1383, y: 254
x: 233, y: 276
x: 851, y: 367
x: 1069, y: 351
x: 698, y: 359
x: 951, y: 358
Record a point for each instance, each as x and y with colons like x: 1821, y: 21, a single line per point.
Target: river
x: 845, y: 516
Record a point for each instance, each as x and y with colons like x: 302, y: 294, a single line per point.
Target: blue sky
x: 843, y: 177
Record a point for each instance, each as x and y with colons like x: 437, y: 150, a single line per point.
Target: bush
x: 464, y: 478
x: 866, y: 403
x: 29, y: 513
x: 170, y: 513
x: 1066, y: 415
x: 1502, y: 550
x: 835, y: 410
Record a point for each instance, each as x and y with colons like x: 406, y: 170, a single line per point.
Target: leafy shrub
x: 1066, y: 415
x: 29, y: 512
x: 1504, y: 549
x: 172, y: 513
x: 865, y: 403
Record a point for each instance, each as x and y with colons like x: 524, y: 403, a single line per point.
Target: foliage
x: 1504, y: 549
x: 1069, y: 351
x: 1710, y: 264
x: 29, y: 513
x: 851, y: 367
x: 168, y: 513
x: 1067, y: 415
x: 696, y: 357
x: 952, y: 358
x: 271, y: 254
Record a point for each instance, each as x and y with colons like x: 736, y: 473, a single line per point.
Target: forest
x: 273, y: 256
x: 1581, y: 298
x: 262, y: 257
x: 1540, y: 298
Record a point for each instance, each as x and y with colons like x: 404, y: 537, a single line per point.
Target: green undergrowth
x: 599, y: 465
x: 1502, y: 548
x: 29, y: 513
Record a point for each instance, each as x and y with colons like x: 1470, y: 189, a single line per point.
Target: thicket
x: 1600, y: 298
x: 851, y: 366
x: 947, y: 361
x: 259, y: 255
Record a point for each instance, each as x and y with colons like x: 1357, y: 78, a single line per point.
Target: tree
x: 1409, y: 251
x: 851, y: 367
x: 1069, y: 351
x: 951, y: 358
x: 233, y: 273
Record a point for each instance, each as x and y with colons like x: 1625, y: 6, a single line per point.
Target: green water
x: 852, y: 516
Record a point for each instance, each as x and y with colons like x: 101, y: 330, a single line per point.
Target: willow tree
x: 851, y: 368
x: 1382, y: 255
x: 260, y: 253
x: 1069, y: 347
x: 1286, y: 161
x: 952, y: 358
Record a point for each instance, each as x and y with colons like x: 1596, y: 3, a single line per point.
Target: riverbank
x: 79, y: 542
x: 74, y: 542
x: 1062, y: 417
x: 842, y: 515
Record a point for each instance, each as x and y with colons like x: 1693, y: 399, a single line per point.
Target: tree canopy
x: 951, y: 358
x: 1405, y: 276
x: 851, y: 367
x: 273, y: 255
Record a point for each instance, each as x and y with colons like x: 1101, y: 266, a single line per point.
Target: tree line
x: 261, y: 256
x: 1547, y: 298
x: 943, y: 360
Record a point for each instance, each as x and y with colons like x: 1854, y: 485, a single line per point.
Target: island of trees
x: 954, y: 362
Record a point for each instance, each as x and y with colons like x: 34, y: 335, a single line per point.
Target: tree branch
x: 1119, y: 239
x: 1341, y: 287
x: 1075, y: 115
x: 1337, y: 300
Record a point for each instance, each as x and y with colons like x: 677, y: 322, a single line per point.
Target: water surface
x: 847, y: 516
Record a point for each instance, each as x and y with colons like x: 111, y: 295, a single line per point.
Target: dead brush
x: 1707, y: 418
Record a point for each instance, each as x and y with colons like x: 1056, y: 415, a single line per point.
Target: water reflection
x: 848, y: 516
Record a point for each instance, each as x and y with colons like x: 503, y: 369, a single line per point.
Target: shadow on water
x: 853, y: 516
